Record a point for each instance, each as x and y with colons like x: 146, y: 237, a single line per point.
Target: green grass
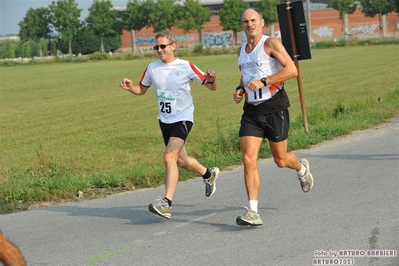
x: 68, y: 127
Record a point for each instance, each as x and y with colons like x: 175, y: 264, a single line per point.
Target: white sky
x: 13, y: 11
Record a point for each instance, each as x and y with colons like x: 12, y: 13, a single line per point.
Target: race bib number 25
x: 167, y: 103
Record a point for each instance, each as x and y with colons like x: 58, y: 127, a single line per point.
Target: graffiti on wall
x: 365, y: 29
x: 151, y: 41
x: 223, y: 39
x: 142, y: 40
x: 324, y: 31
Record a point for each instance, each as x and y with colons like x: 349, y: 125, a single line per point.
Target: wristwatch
x: 239, y: 87
x: 263, y: 81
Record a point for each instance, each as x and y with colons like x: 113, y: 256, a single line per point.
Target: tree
x: 134, y: 18
x: 162, y: 15
x: 372, y: 8
x: 396, y: 6
x: 65, y: 19
x: 86, y: 42
x: 193, y: 16
x: 344, y: 7
x: 230, y: 16
x: 103, y: 20
x: 35, y: 26
x: 268, y: 8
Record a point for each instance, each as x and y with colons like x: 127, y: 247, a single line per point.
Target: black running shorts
x: 179, y: 130
x: 273, y: 126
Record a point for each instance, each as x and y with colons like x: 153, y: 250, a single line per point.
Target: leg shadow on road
x: 136, y: 215
x: 182, y: 215
x: 223, y: 218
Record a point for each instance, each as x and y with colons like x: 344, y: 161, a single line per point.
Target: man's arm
x: 210, y: 81
x: 275, y: 49
x: 127, y: 84
x: 10, y: 254
x: 239, y: 92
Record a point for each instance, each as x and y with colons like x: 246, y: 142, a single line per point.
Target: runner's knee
x: 280, y: 162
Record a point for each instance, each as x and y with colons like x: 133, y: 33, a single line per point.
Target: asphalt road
x: 351, y: 213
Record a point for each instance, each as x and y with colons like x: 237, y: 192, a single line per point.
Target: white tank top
x: 256, y: 65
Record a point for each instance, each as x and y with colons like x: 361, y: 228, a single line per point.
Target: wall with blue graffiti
x: 218, y: 39
x: 223, y: 39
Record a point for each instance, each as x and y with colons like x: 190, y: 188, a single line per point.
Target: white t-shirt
x: 172, y: 83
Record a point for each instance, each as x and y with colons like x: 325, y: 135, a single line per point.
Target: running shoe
x: 307, y: 179
x: 250, y: 217
x: 210, y: 184
x: 161, y: 207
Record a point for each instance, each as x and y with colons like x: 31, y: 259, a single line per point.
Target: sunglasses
x: 162, y: 46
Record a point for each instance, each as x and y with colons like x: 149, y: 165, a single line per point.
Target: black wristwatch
x: 239, y: 87
x: 263, y: 81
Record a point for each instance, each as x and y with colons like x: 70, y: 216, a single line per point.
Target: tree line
x: 106, y: 23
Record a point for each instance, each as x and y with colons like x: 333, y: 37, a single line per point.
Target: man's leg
x: 171, y: 156
x: 163, y: 206
x: 288, y: 159
x: 250, y: 149
x: 209, y: 175
x: 189, y: 163
x: 283, y: 158
x: 176, y: 156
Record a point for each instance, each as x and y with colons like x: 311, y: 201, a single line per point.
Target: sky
x: 13, y: 11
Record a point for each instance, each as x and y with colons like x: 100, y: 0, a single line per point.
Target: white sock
x: 302, y: 171
x: 253, y: 205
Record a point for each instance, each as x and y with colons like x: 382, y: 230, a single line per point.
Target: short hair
x: 255, y: 9
x: 168, y: 34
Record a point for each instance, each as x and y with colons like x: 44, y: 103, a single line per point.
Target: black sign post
x: 295, y: 40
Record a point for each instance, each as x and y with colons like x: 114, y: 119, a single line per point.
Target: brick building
x: 322, y: 21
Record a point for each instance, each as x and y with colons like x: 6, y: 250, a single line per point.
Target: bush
x: 198, y: 48
x: 8, y: 63
x: 354, y: 42
x: 99, y: 56
x: 8, y: 49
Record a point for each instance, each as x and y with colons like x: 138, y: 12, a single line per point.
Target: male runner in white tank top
x: 265, y: 65
x: 172, y: 78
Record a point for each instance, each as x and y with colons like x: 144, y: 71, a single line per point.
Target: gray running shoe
x: 161, y: 207
x: 307, y: 179
x: 250, y: 217
x: 210, y: 184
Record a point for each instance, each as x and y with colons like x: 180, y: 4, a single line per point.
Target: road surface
x: 350, y: 217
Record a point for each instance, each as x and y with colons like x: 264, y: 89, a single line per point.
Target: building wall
x: 324, y: 25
